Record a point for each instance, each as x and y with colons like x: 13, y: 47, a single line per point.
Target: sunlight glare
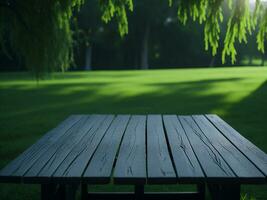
x: 254, y: 1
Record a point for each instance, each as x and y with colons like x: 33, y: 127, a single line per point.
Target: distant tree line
x: 155, y: 40
x: 41, y: 36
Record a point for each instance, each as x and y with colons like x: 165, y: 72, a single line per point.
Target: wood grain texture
x: 186, y: 163
x: 73, y: 166
x: 100, y: 167
x: 241, y: 166
x: 214, y: 166
x: 159, y: 164
x: 46, y: 166
x: 50, y: 160
x: 131, y: 163
x: 140, y: 149
x: 19, y: 166
x: 251, y: 151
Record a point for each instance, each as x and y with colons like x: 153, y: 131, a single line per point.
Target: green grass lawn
x: 29, y: 109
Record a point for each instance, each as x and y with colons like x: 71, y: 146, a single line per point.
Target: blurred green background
x: 156, y: 39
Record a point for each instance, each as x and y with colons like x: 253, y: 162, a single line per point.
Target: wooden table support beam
x: 84, y: 192
x: 48, y: 191
x: 201, y: 190
x: 139, y: 194
x: 147, y: 196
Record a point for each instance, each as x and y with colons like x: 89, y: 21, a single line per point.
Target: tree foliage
x: 40, y: 32
x: 117, y: 9
x: 243, y: 20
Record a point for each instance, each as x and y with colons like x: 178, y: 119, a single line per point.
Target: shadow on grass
x: 57, y: 101
x: 8, y: 76
x: 28, y: 111
x: 249, y: 116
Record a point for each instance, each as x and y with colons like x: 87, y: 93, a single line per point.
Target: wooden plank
x: 159, y: 164
x: 214, y: 166
x: 47, y: 164
x: 50, y: 160
x: 186, y: 163
x: 131, y: 163
x: 73, y: 166
x: 251, y: 151
x: 242, y: 167
x: 18, y: 167
x: 100, y: 167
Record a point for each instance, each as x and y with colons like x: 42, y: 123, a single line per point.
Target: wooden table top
x: 140, y: 149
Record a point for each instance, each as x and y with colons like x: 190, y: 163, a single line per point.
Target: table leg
x: 48, y: 191
x: 61, y: 192
x: 224, y: 191
x: 139, y: 192
x: 58, y: 192
x: 71, y: 190
x: 84, y: 192
x: 201, y: 191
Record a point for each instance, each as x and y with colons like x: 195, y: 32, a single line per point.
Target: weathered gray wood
x: 186, y: 163
x: 83, y: 148
x: 214, y: 166
x: 241, y: 166
x: 87, y: 130
x: 73, y: 166
x: 47, y: 164
x: 100, y: 167
x: 252, y: 152
x: 19, y: 166
x: 159, y: 164
x: 131, y: 163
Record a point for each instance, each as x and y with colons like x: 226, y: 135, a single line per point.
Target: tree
x: 40, y: 33
x: 145, y: 17
x: 87, y: 30
x: 157, y: 39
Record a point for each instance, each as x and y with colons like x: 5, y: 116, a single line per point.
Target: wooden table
x: 138, y: 150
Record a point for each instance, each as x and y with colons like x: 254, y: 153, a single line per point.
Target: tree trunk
x: 262, y: 59
x: 250, y: 60
x: 144, y: 51
x: 88, y: 58
x: 212, y: 61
